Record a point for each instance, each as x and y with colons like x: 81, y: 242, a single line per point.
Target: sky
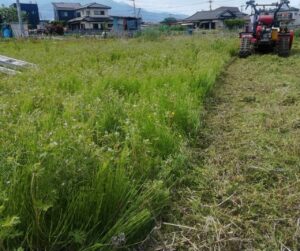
x: 191, y: 6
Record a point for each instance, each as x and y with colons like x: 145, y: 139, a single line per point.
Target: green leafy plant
x: 9, y: 14
x: 234, y: 23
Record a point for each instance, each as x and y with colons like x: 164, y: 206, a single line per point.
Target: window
x: 78, y: 14
x: 88, y: 13
x: 65, y: 14
x: 99, y: 13
x: 95, y: 26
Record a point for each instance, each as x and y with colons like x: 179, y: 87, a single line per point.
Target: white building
x: 92, y: 16
x: 290, y: 14
x: 295, y: 14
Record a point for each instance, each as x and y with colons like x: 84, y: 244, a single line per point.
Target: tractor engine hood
x: 266, y: 20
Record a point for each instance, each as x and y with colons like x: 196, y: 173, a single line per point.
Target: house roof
x: 285, y: 9
x: 224, y: 8
x: 94, y: 6
x: 293, y: 9
x: 234, y: 10
x: 90, y: 19
x: 66, y: 6
x: 218, y: 13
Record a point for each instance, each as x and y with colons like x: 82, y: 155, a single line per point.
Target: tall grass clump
x: 93, y: 138
x: 156, y: 33
x: 151, y: 34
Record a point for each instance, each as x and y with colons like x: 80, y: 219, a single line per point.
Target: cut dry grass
x: 245, y: 194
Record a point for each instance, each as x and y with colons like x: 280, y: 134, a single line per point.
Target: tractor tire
x: 245, y: 49
x: 283, y: 46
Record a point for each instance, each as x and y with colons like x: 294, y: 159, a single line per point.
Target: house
x: 65, y: 11
x: 91, y: 16
x: 290, y: 13
x: 32, y: 13
x: 213, y: 19
x: 126, y: 23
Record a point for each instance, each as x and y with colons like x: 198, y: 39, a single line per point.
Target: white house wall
x: 219, y: 24
x: 89, y: 26
x: 296, y: 16
x: 91, y: 12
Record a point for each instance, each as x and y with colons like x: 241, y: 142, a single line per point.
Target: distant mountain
x: 118, y: 8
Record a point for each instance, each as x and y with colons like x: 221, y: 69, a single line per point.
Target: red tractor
x: 269, y: 31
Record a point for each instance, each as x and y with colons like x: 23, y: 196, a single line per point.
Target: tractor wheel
x: 245, y: 49
x: 283, y: 47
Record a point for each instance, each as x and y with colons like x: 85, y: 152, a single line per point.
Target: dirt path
x: 246, y: 193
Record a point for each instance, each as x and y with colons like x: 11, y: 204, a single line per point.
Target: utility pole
x: 21, y: 27
x: 139, y: 16
x: 139, y: 12
x: 134, y: 9
x: 210, y: 3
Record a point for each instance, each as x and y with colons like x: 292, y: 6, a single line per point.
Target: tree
x: 10, y: 15
x: 169, y: 21
x: 55, y: 28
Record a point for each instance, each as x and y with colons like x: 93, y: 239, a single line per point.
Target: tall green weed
x: 92, y: 140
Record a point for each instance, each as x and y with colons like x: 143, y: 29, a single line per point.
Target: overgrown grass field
x: 93, y: 139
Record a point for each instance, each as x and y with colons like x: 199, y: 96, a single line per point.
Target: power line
x: 187, y: 7
x: 150, y: 5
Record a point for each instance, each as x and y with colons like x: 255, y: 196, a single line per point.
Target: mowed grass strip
x: 245, y: 194
x: 93, y: 138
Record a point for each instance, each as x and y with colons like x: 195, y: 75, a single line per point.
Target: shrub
x: 55, y: 28
x: 234, y: 23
